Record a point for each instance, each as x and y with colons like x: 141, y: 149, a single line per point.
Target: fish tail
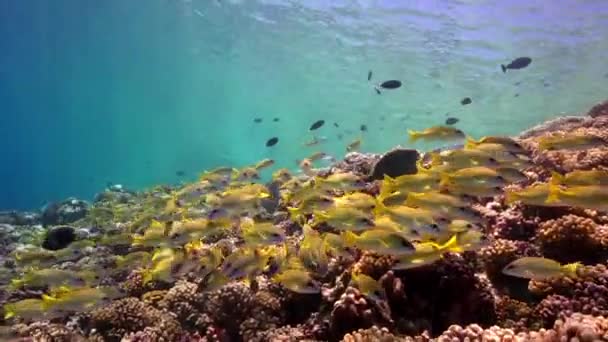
x: 510, y: 197
x: 470, y: 143
x: 16, y: 284
x: 557, y: 178
x: 48, y: 301
x: 504, y: 68
x: 444, y: 180
x: 554, y: 191
x: 435, y: 159
x: 350, y: 238
x: 138, y: 240
x: 294, y: 213
x: 570, y: 269
x: 380, y: 208
x: 414, y: 136
x: 9, y: 311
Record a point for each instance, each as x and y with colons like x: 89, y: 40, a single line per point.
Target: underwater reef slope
x: 331, y: 255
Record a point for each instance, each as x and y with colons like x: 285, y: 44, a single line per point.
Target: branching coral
x: 353, y: 310
x: 373, y: 264
x: 373, y: 334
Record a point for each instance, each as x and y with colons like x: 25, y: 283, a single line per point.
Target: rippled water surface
x: 132, y: 92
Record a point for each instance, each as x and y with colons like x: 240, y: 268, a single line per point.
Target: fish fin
x: 9, y: 311
x: 414, y: 136
x: 444, y: 179
x: 16, y: 284
x: 557, y: 178
x: 510, y: 197
x: 504, y: 68
x: 295, y: 214
x: 570, y: 269
x: 377, y: 90
x: 470, y: 143
x: 137, y: 240
x: 48, y: 301
x: 350, y: 238
x: 554, y: 192
x: 435, y: 159
x: 379, y: 208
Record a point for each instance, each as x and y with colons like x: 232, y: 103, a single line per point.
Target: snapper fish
x: 539, y: 268
x: 441, y: 133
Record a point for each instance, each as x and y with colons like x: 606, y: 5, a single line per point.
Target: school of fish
x: 415, y: 218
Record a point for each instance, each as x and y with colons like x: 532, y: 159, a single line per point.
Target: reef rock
x: 65, y: 212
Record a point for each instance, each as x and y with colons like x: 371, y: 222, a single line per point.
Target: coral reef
x: 459, y: 297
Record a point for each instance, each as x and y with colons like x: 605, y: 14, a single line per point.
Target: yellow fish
x: 164, y: 262
x: 298, y: 280
x: 369, y: 286
x: 185, y: 231
x: 381, y: 241
x: 508, y: 143
x: 344, y: 219
x: 32, y: 255
x: 357, y: 200
x: 309, y: 205
x: 264, y: 163
x: 282, y: 175
x: 116, y: 239
x: 153, y: 236
x: 334, y: 245
x: 419, y: 182
x: 312, y: 251
x: 460, y: 159
x: 390, y: 199
x: 409, y: 217
x: 244, y: 263
x: 52, y: 277
x: 345, y: 181
x: 570, y: 142
x: 132, y: 260
x: 539, y: 268
x: 246, y: 174
x: 80, y: 299
x: 261, y: 233
x: 436, y: 133
x: 210, y: 261
x: 580, y: 178
x: 28, y: 309
x: 434, y: 200
x: 473, y: 176
x: 474, y: 191
x: 427, y: 253
x: 355, y: 145
x: 215, y: 280
x: 536, y: 194
x: 590, y: 196
x: 512, y: 175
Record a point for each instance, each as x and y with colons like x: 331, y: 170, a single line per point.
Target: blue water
x: 130, y: 92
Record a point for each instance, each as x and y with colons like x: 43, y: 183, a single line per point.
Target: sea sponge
x: 357, y: 163
x: 129, y: 315
x: 373, y: 334
x: 500, y: 253
x: 373, y: 264
x: 572, y: 238
x: 588, y: 280
x: 285, y: 333
x: 580, y: 327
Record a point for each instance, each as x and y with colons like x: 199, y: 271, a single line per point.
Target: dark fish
x: 516, y: 95
x: 272, y: 141
x: 340, y: 136
x: 392, y: 84
x: 517, y: 83
x: 546, y: 84
x: 451, y: 120
x: 377, y: 90
x: 180, y: 173
x: 517, y: 63
x: 369, y: 75
x: 257, y: 120
x: 466, y: 101
x: 317, y: 125
x: 336, y: 124
x: 276, y: 119
x: 382, y: 118
x: 363, y: 128
x: 271, y: 203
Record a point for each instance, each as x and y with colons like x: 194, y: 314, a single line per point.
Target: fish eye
x: 493, y: 160
x: 469, y: 225
x: 459, y: 131
x: 405, y: 243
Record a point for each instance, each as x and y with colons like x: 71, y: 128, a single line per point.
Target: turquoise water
x: 131, y: 92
